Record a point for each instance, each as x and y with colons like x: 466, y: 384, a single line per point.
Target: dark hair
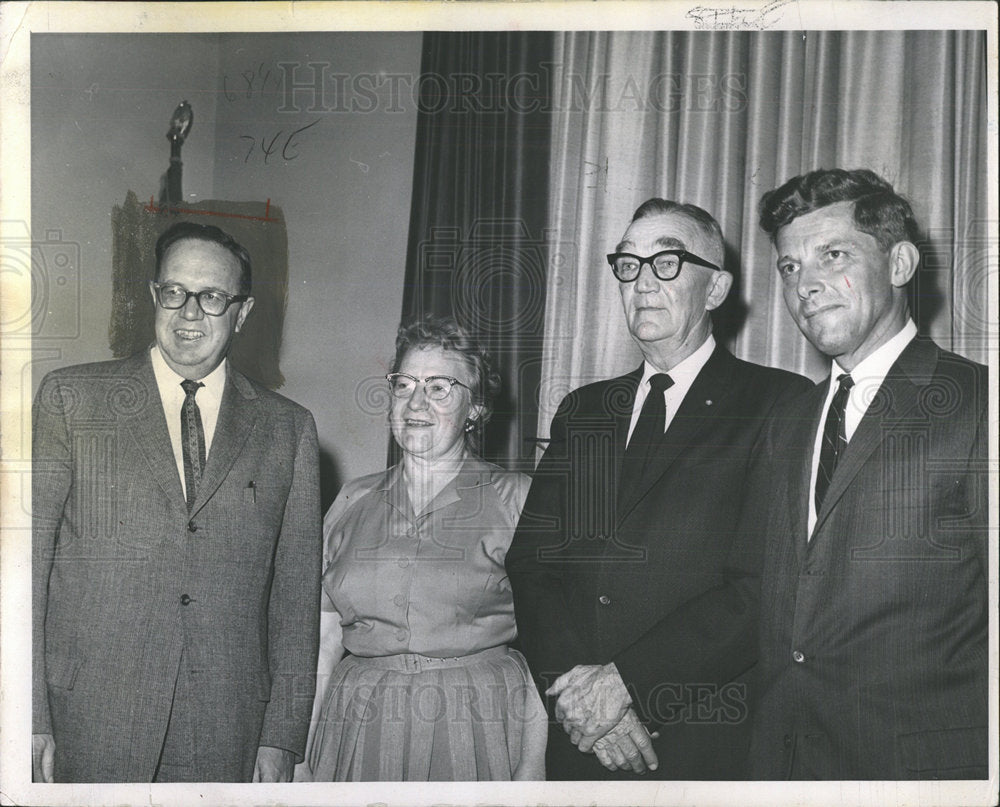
x: 445, y: 333
x: 878, y: 209
x: 704, y: 220
x: 205, y: 232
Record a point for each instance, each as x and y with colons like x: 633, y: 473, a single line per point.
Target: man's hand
x: 627, y: 746
x: 43, y: 758
x: 592, y: 700
x: 273, y: 765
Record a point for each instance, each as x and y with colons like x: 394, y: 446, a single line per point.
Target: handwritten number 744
x: 289, y: 150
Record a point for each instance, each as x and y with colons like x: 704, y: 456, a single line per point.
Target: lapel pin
x: 708, y: 402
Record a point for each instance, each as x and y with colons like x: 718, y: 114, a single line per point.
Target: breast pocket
x: 258, y: 505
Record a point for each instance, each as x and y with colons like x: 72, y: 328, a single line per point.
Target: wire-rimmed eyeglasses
x: 436, y: 387
x: 666, y: 265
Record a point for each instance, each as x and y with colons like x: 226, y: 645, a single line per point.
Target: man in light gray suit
x: 176, y: 538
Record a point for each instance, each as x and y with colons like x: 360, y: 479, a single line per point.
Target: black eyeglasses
x: 214, y: 303
x: 666, y: 264
x: 436, y: 387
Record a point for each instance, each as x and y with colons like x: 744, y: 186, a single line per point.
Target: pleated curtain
x: 517, y: 201
x: 717, y: 119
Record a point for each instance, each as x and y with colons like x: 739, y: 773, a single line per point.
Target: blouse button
x: 400, y: 600
x: 401, y: 634
x: 404, y: 562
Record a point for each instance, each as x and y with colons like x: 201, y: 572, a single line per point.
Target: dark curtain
x: 477, y: 247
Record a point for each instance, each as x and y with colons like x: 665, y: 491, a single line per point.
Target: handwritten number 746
x: 289, y: 151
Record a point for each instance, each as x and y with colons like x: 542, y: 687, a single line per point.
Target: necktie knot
x: 191, y: 387
x: 660, y: 382
x: 845, y: 381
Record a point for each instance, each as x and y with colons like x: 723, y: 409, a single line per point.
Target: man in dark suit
x: 873, y: 511
x: 632, y: 511
x: 861, y: 555
x: 176, y: 534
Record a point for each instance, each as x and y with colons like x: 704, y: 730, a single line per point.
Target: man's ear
x: 152, y: 292
x: 721, y: 284
x: 244, y: 311
x: 903, y: 260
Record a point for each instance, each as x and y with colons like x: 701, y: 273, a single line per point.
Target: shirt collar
x: 875, y: 367
x: 167, y: 378
x: 684, y: 372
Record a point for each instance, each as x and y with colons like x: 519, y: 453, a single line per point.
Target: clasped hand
x: 594, y: 708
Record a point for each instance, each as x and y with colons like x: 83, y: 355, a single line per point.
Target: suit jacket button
x: 192, y: 527
x: 185, y: 599
x: 787, y: 740
x: 798, y: 656
x: 604, y: 599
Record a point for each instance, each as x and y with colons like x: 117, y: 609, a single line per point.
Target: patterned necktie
x: 834, y: 437
x: 647, y: 434
x: 192, y: 440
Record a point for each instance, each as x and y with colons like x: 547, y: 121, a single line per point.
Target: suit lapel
x: 619, y: 400
x: 149, y: 430
x: 897, y: 397
x: 799, y: 490
x: 709, y: 397
x: 238, y: 414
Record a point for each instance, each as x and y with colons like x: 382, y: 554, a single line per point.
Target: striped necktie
x: 834, y: 437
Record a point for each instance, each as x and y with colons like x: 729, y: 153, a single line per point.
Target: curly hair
x: 447, y: 334
x: 878, y: 209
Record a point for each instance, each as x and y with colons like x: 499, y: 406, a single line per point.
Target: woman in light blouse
x: 415, y: 591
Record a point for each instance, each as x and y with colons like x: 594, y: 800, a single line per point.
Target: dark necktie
x: 834, y: 437
x: 192, y: 440
x: 647, y: 434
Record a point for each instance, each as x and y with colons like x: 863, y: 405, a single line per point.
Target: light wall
x: 101, y: 105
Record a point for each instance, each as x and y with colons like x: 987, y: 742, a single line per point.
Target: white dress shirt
x: 683, y: 376
x: 868, y: 377
x: 209, y: 400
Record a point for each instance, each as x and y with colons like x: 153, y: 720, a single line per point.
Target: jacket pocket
x: 959, y: 753
x: 61, y: 671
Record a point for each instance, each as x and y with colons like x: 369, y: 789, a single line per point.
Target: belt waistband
x: 414, y: 662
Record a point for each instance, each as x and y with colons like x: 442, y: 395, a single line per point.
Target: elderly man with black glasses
x: 632, y: 512
x: 176, y: 534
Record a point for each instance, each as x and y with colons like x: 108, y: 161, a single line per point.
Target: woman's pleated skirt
x: 415, y: 718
